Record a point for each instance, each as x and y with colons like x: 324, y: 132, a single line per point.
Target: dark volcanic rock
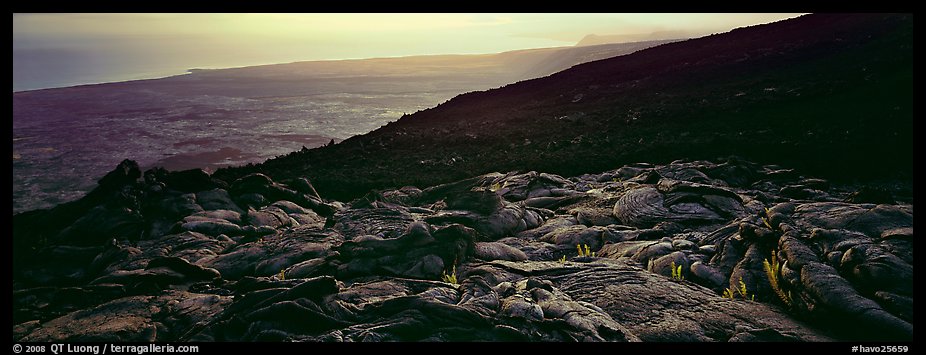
x: 193, y: 180
x: 124, y: 174
x: 828, y: 92
x: 655, y: 308
x: 216, y: 199
x: 497, y: 251
x: 418, y: 253
x: 481, y: 259
x: 254, y: 189
x: 269, y: 255
x: 677, y: 202
x: 212, y: 226
x: 139, y: 318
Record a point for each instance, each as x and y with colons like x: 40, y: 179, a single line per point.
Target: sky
x: 52, y: 50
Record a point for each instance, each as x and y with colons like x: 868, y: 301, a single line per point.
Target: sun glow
x: 82, y: 46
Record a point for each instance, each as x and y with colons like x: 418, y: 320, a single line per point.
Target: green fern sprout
x: 765, y: 220
x: 677, y: 273
x: 772, y: 270
x: 496, y: 186
x: 743, y: 292
x: 450, y: 278
x: 586, y: 252
x: 563, y: 260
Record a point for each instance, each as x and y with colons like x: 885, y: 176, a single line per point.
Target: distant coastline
x: 72, y: 81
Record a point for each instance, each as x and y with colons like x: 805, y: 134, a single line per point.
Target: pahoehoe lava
x: 748, y: 186
x: 264, y: 260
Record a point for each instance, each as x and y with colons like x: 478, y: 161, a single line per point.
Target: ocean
x: 35, y: 69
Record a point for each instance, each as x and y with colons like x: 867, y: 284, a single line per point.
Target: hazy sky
x: 101, y: 47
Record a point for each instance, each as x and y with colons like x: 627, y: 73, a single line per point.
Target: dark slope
x: 828, y: 93
x: 244, y: 115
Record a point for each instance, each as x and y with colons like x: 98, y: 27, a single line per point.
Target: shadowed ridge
x: 831, y: 93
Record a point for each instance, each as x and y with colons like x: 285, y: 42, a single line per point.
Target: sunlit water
x: 64, y: 140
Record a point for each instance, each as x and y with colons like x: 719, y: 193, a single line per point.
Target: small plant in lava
x: 584, y: 253
x: 772, y: 270
x: 677, y: 273
x: 451, y: 277
x: 742, y: 291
